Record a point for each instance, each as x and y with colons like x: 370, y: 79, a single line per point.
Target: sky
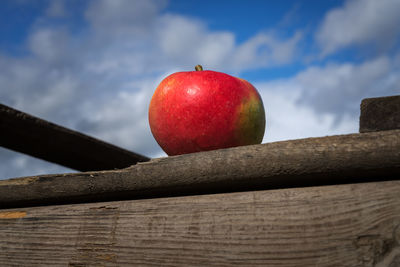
x: 93, y: 66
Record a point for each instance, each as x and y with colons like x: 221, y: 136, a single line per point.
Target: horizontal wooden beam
x: 344, y: 225
x: 30, y: 135
x: 312, y: 161
x: 381, y: 113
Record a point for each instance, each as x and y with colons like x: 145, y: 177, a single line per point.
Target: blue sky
x: 93, y: 65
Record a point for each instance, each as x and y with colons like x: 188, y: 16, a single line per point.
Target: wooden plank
x: 381, y: 113
x: 45, y: 140
x: 304, y: 162
x: 345, y: 225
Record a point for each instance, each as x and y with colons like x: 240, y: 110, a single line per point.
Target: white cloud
x: 123, y: 119
x: 360, y: 22
x: 56, y: 9
x: 188, y: 41
x: 123, y: 16
x: 287, y: 120
x: 325, y: 100
x: 339, y: 88
x: 49, y: 44
x: 264, y: 50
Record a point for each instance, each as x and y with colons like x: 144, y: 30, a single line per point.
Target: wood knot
x: 372, y: 249
x: 379, y: 252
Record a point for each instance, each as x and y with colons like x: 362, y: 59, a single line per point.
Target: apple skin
x: 205, y: 110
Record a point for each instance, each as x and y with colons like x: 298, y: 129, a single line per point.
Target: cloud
x: 187, y: 41
x: 264, y: 50
x: 360, y: 22
x: 325, y: 100
x: 123, y: 16
x: 287, y: 119
x: 49, y: 44
x: 56, y: 9
x: 122, y: 119
x: 339, y: 88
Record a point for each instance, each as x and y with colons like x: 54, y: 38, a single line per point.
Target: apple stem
x: 198, y: 68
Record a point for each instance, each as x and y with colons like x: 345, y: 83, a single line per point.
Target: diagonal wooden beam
x: 30, y: 135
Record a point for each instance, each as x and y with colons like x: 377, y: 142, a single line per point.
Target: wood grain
x: 304, y: 162
x: 380, y: 113
x: 344, y: 225
x: 27, y: 134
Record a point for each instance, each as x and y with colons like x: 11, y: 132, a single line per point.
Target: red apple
x: 204, y: 110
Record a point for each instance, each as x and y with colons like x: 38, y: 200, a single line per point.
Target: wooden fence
x: 327, y: 201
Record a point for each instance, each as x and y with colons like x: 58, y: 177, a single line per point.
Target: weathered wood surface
x: 304, y: 162
x: 344, y: 225
x: 45, y: 140
x: 381, y: 113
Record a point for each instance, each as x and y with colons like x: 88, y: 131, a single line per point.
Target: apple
x: 204, y: 110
